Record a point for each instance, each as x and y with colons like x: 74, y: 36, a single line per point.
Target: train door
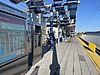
x: 37, y: 43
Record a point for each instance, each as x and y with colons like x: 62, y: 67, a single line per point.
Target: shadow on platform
x: 54, y: 67
x: 35, y: 72
x: 45, y: 49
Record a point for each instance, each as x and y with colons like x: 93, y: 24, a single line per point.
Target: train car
x: 14, y: 42
x: 21, y: 42
x: 38, y: 35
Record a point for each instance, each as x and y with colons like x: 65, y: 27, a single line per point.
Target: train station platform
x: 69, y: 58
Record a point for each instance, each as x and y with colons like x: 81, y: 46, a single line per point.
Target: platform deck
x: 71, y: 57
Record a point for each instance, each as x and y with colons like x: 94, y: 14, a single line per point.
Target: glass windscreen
x: 12, y: 37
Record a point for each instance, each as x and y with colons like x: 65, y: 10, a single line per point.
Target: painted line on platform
x: 92, y: 51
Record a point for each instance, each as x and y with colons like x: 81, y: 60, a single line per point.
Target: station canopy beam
x: 59, y: 6
x: 39, y: 6
x: 57, y: 0
x: 15, y: 1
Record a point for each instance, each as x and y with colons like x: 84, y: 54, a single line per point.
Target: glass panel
x: 12, y: 37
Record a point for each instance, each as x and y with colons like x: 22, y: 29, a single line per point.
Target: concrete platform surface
x: 67, y: 58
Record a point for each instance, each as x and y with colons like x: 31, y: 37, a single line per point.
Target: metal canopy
x: 15, y: 1
x: 55, y: 21
x: 57, y: 0
x: 30, y: 3
x: 61, y: 25
x: 36, y: 10
x: 72, y: 7
x: 55, y: 17
x: 72, y: 14
x: 37, y: 0
x: 72, y: 0
x: 64, y: 20
x: 57, y: 4
x: 72, y: 4
x: 68, y: 24
x: 61, y: 12
x: 54, y: 25
x: 32, y: 6
x: 40, y: 4
x: 59, y: 8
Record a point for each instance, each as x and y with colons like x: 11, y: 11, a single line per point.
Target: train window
x: 37, y: 36
x: 12, y: 37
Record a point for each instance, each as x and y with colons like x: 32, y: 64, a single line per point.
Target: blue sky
x: 85, y: 20
x: 88, y: 18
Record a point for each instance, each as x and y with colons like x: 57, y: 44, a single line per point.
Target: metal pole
x: 54, y: 67
x: 51, y: 30
x: 30, y: 55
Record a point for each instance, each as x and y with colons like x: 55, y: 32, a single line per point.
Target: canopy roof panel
x: 56, y: 0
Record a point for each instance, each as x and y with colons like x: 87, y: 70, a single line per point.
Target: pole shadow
x: 45, y: 49
x: 35, y: 72
x: 54, y: 67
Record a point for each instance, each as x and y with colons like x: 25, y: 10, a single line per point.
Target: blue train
x: 20, y: 42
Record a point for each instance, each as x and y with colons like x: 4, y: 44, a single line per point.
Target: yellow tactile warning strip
x: 91, y: 49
